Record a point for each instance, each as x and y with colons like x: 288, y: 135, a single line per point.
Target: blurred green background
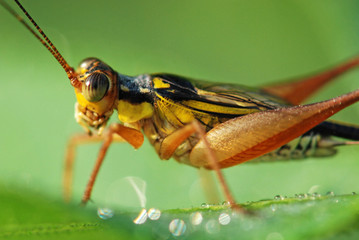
x: 245, y: 42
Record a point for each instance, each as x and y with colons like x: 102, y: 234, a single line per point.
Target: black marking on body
x: 139, y: 89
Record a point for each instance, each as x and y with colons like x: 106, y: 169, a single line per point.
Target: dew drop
x: 177, y: 227
x: 154, y: 214
x: 105, y: 213
x: 315, y: 195
x: 205, y: 205
x: 141, y: 218
x: 278, y: 197
x: 196, y: 218
x: 330, y: 193
x: 226, y: 203
x: 224, y: 219
x: 302, y: 196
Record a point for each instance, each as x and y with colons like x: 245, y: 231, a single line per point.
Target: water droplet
x: 354, y: 193
x: 330, y: 193
x: 196, y: 218
x: 278, y: 197
x: 302, y: 196
x: 226, y: 203
x: 205, y: 205
x: 141, y: 218
x: 212, y: 226
x: 105, y: 213
x: 177, y: 227
x: 154, y: 214
x: 315, y: 195
x: 224, y: 219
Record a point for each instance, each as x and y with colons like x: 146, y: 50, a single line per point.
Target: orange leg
x: 75, y: 140
x: 116, y: 132
x: 298, y: 90
x: 171, y: 142
x: 132, y: 136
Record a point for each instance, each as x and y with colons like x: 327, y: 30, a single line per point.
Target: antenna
x: 46, y: 42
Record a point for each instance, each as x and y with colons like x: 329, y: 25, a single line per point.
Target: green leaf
x: 28, y: 215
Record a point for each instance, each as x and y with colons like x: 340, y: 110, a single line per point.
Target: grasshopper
x: 198, y: 123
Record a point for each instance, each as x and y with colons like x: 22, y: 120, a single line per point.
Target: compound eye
x: 95, y: 86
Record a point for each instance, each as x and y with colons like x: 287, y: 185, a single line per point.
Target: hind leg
x: 171, y: 142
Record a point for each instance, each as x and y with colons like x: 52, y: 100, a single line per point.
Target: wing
x: 221, y: 100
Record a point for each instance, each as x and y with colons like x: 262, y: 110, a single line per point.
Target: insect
x: 203, y: 124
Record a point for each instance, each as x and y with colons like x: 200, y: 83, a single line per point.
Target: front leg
x: 132, y: 136
x: 70, y: 156
x: 116, y: 132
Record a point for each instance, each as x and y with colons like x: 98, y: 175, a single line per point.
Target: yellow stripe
x: 217, y: 108
x: 158, y: 83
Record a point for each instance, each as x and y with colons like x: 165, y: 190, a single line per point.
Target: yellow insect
x: 200, y: 123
